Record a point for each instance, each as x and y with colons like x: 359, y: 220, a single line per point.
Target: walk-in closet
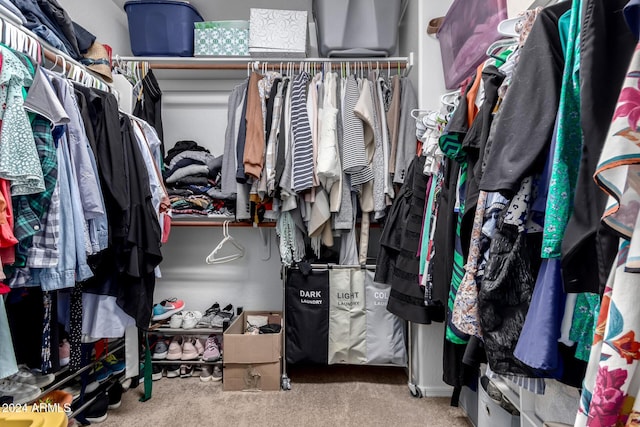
x: 322, y: 212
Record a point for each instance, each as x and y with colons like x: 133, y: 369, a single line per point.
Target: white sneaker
x: 191, y: 319
x: 21, y: 392
x: 206, y: 373
x: 32, y: 377
x: 199, y: 346
x: 176, y: 320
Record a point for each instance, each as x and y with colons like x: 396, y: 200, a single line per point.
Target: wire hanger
x: 215, y: 257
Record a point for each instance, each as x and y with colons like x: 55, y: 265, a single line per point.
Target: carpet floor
x: 326, y: 396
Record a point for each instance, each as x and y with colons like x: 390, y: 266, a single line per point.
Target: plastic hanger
x: 215, y: 257
x: 450, y: 98
x: 63, y: 64
x: 497, y: 46
x: 417, y: 113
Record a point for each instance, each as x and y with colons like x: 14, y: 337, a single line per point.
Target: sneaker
x: 199, y: 346
x: 189, y: 351
x: 92, y: 384
x: 216, y: 375
x: 115, y: 396
x: 74, y: 389
x: 157, y: 373
x: 211, y: 350
x: 115, y: 365
x: 224, y: 314
x: 219, y: 344
x: 21, y: 393
x: 191, y: 319
x: 208, y: 316
x: 102, y: 372
x: 97, y: 411
x: 161, y: 350
x: 176, y: 321
x: 186, y: 371
x: 173, y: 371
x: 175, y: 349
x: 32, y: 377
x: 167, y: 308
x: 206, y: 373
x: 64, y: 352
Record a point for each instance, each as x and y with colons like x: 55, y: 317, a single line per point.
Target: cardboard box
x: 252, y: 362
x: 278, y: 33
x: 251, y: 376
x: 221, y: 38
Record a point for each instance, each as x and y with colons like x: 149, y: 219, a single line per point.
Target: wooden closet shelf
x: 242, y: 62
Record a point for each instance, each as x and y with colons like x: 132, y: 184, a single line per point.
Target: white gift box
x: 278, y: 33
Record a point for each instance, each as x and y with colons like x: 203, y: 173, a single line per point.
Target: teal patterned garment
x: 583, y: 323
x: 568, y: 151
x: 451, y: 145
x: 453, y: 334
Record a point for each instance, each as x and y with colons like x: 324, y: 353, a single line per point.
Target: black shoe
x: 186, y: 371
x: 97, y: 411
x: 115, y: 395
x: 157, y: 372
x: 173, y: 371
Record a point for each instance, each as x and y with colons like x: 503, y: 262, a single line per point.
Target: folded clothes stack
x: 192, y: 176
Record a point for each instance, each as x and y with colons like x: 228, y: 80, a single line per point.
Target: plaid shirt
x: 29, y: 210
x: 44, y: 252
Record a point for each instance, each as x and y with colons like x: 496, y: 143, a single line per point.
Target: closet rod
x: 211, y: 222
x: 330, y: 266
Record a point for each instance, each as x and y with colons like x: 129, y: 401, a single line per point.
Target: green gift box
x: 221, y: 38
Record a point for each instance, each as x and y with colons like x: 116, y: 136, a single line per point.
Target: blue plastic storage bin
x: 161, y: 28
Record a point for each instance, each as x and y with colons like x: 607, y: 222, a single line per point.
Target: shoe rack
x: 64, y: 376
x: 163, y: 331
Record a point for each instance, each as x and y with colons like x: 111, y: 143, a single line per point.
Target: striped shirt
x: 302, y: 142
x: 353, y: 152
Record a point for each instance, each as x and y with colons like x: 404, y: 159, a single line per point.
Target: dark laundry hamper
x: 307, y: 317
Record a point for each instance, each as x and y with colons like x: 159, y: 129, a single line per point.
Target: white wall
x: 431, y: 74
x: 252, y: 282
x: 428, y: 80
x: 104, y: 19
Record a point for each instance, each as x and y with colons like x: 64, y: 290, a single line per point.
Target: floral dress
x: 612, y: 382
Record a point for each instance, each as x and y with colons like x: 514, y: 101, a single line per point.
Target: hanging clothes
x: 397, y: 264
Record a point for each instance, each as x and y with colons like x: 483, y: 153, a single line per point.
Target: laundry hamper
x: 307, y: 317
